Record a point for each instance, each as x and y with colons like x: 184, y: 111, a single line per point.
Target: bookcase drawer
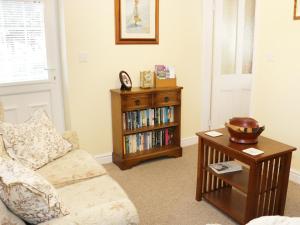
x: 167, y: 98
x: 135, y: 102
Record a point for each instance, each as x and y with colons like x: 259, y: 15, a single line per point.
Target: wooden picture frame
x: 126, y: 83
x: 297, y: 10
x: 137, y: 21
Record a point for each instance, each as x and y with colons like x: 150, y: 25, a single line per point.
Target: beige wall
x: 89, y: 26
x: 277, y: 85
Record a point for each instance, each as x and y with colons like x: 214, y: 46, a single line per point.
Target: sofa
x: 90, y: 194
x: 275, y: 220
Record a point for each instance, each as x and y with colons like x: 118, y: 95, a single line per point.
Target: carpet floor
x: 163, y: 191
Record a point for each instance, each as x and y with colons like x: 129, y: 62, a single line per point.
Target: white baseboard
x: 295, y: 176
x: 107, y: 157
x: 104, y: 158
x: 189, y: 141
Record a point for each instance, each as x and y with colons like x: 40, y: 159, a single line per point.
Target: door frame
x: 207, y: 61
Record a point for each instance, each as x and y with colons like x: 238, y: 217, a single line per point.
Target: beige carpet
x: 163, y: 191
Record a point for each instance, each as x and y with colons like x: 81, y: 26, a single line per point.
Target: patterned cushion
x: 3, y: 153
x: 27, y: 194
x: 73, y: 167
x: 7, y: 218
x: 35, y: 142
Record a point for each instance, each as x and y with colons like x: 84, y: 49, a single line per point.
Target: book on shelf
x: 225, y: 167
x: 148, y: 117
x: 148, y: 140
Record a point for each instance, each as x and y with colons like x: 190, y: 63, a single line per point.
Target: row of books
x: 148, y: 140
x: 148, y: 117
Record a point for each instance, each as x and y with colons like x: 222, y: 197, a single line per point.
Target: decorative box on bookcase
x: 145, y: 124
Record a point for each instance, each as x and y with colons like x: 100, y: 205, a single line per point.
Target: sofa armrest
x: 1, y: 112
x: 72, y: 137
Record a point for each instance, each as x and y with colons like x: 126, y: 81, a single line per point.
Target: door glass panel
x: 248, y: 36
x: 229, y: 36
x: 22, y: 41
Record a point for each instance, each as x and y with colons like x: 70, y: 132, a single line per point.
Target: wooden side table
x: 259, y: 189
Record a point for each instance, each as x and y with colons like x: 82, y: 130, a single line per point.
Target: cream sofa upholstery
x: 90, y: 194
x: 275, y: 220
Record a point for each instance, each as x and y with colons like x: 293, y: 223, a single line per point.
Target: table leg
x: 284, y: 182
x: 199, y: 170
x: 253, y: 191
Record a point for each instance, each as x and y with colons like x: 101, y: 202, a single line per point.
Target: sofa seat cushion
x: 91, y: 192
x: 73, y: 167
x: 97, y: 201
x: 7, y: 217
x: 120, y: 212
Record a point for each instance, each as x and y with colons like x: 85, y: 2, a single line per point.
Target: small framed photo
x: 126, y: 83
x: 297, y: 10
x: 147, y: 79
x: 137, y: 21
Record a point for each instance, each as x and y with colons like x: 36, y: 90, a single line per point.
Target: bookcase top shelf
x: 137, y: 90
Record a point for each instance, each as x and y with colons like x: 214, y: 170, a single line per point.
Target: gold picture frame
x: 146, y: 79
x: 137, y: 21
x: 297, y: 10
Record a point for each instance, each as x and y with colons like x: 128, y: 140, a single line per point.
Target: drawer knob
x: 137, y: 102
x: 167, y: 99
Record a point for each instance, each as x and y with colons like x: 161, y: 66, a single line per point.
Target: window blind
x: 22, y: 41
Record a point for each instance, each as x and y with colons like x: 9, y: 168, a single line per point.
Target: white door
x: 29, y: 60
x: 232, y: 57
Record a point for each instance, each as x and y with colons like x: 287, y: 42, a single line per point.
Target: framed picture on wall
x: 137, y: 21
x: 297, y: 10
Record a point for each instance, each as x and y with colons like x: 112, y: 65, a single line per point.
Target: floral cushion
x: 3, y: 153
x: 73, y: 167
x: 7, y: 218
x: 27, y: 194
x: 35, y: 142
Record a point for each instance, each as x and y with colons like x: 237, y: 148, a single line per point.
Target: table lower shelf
x: 237, y: 179
x: 230, y: 201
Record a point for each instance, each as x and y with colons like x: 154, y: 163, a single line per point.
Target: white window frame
x: 52, y: 53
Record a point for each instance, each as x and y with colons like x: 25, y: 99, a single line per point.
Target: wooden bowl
x: 244, y: 130
x: 245, y: 122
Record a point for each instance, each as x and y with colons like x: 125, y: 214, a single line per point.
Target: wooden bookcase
x: 124, y: 104
x: 258, y: 190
